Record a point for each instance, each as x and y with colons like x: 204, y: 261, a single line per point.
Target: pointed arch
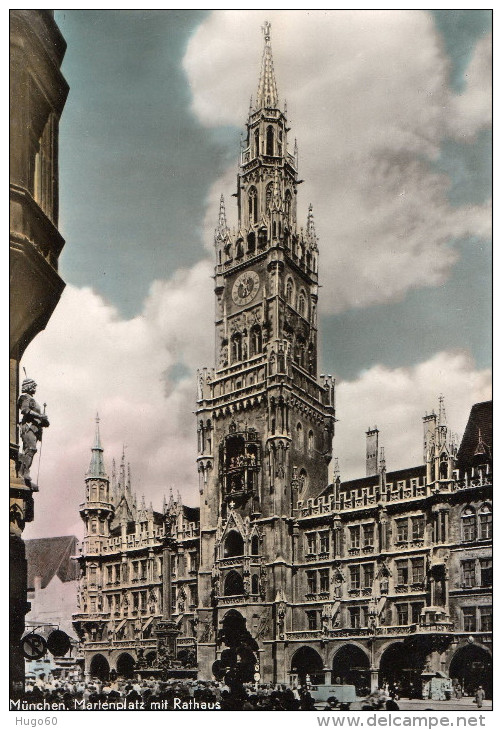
x: 270, y: 140
x: 290, y: 290
x: 256, y: 340
x: 253, y: 205
x: 256, y: 142
x: 234, y: 545
x: 234, y: 585
x: 269, y: 192
x: 287, y: 204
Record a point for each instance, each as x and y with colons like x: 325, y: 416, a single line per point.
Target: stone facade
x: 386, y: 578
x: 124, y: 586
x: 38, y: 93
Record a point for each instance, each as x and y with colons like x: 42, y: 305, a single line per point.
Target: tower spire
x: 267, y: 96
x: 97, y: 466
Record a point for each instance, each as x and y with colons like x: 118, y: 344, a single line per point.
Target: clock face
x: 245, y: 287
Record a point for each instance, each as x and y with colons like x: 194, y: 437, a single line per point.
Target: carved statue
x: 32, y: 423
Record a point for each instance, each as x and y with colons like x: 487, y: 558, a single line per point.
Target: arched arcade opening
x: 401, y: 666
x: 125, y: 666
x: 471, y: 666
x: 99, y: 668
x: 352, y: 666
x: 306, y: 661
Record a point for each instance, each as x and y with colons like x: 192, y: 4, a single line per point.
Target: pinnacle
x: 267, y: 96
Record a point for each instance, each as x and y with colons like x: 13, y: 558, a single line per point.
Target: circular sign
x: 33, y: 646
x: 58, y: 643
x: 245, y: 287
x: 257, y: 676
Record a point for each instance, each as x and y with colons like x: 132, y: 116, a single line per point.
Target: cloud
x: 369, y: 101
x: 89, y: 359
x: 396, y: 399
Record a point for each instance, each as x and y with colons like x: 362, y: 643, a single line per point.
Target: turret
x: 97, y: 510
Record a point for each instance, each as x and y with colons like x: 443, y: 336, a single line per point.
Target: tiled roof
x: 50, y: 556
x: 480, y: 423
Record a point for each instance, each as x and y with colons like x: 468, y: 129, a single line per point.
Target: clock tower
x: 265, y: 421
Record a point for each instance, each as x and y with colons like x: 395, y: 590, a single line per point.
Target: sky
x: 392, y: 113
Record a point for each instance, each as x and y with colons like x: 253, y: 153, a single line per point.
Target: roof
x: 478, y: 432
x: 192, y: 514
x: 50, y: 556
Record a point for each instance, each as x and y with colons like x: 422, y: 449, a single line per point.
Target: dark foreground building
x: 383, y: 579
x: 38, y: 93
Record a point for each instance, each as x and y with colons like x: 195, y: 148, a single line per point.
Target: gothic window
x: 236, y: 347
x: 324, y: 541
x: 324, y: 580
x: 299, y: 435
x: 402, y: 614
x: 254, y: 585
x: 262, y: 237
x: 417, y: 570
x: 311, y: 582
x: 254, y: 545
x: 268, y: 195
x: 228, y: 252
x: 355, y: 618
x: 253, y: 205
x: 402, y: 530
x: 234, y: 545
x: 289, y: 291
x: 354, y: 536
x: 402, y: 572
x: 94, y: 527
x: 287, y: 204
x: 485, y: 522
x: 239, y: 249
x: 417, y: 527
x: 368, y: 535
x: 469, y: 573
x: 257, y: 142
x: 485, y: 618
x: 486, y: 570
x: 311, y: 442
x: 354, y: 577
x: 256, y: 340
x: 234, y: 585
x: 443, y: 467
x: 312, y: 620
x: 270, y: 140
x: 368, y: 575
x: 251, y: 242
x: 302, y: 302
x: 311, y: 543
x: 279, y: 144
x: 469, y: 618
x: 468, y: 525
x: 304, y: 480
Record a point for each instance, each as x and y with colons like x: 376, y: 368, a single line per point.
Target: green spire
x: 97, y: 465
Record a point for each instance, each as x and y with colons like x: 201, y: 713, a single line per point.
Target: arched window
x: 468, y: 525
x: 257, y: 142
x: 279, y: 144
x: 311, y: 441
x: 302, y: 303
x: 270, y: 140
x: 251, y: 242
x: 299, y: 435
x: 254, y: 585
x: 443, y: 466
x: 485, y: 522
x: 234, y: 544
x: 239, y: 249
x: 234, y: 585
x: 253, y: 205
x: 236, y: 347
x: 268, y: 195
x: 262, y: 237
x: 289, y: 291
x: 303, y: 480
x: 256, y: 340
x: 255, y: 544
x: 228, y: 252
x: 287, y: 203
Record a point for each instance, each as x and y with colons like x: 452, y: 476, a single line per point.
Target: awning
x: 147, y: 623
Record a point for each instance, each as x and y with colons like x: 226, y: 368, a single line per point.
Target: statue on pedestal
x: 32, y: 422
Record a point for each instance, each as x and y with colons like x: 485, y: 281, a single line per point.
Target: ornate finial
x: 336, y: 470
x: 382, y: 459
x: 442, y: 412
x: 266, y: 31
x: 266, y: 97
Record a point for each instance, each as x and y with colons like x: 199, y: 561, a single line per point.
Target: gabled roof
x: 50, y: 556
x: 478, y: 432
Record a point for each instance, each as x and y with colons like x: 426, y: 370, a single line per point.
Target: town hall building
x: 384, y: 578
